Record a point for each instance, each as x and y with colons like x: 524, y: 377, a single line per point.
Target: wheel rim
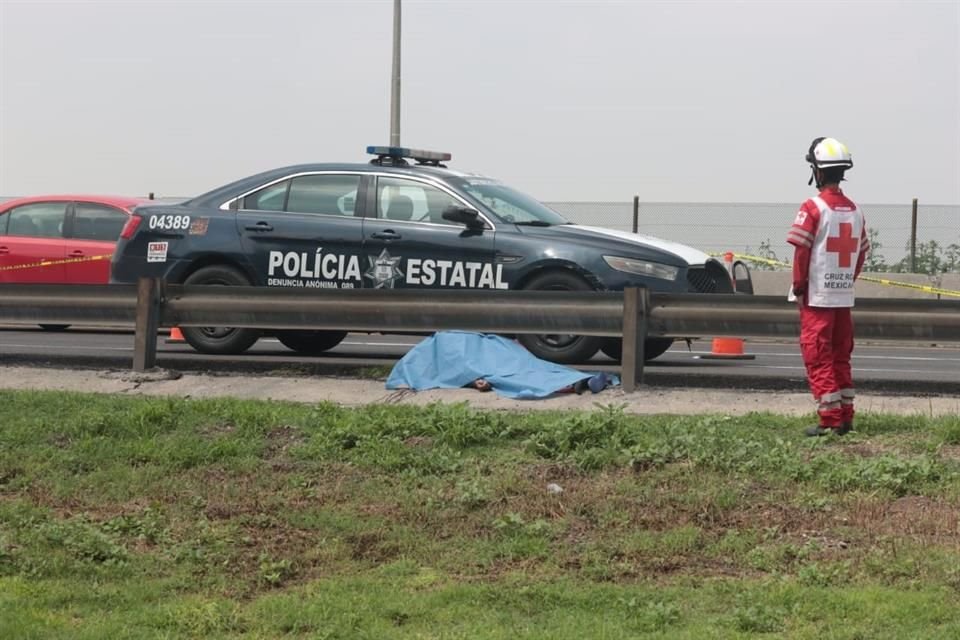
x: 558, y: 340
x: 217, y: 333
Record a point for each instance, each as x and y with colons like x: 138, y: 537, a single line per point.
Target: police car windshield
x: 509, y: 204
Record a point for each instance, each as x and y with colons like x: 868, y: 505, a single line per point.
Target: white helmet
x: 825, y: 153
x: 829, y: 152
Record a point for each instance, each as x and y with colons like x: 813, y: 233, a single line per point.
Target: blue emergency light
x: 400, y: 153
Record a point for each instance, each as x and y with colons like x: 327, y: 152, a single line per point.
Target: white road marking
x: 855, y: 369
x: 61, y: 347
x: 856, y: 356
x: 378, y: 344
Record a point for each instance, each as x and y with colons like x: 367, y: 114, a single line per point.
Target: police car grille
x: 712, y: 278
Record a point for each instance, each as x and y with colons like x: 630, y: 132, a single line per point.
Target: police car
x: 403, y: 220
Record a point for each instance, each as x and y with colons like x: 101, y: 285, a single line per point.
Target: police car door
x: 301, y: 231
x: 408, y: 244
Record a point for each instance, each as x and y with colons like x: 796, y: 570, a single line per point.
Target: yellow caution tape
x: 51, y: 263
x: 892, y: 283
x: 774, y: 263
x: 908, y: 285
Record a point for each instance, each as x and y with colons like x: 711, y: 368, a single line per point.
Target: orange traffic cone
x: 727, y: 349
x: 176, y: 336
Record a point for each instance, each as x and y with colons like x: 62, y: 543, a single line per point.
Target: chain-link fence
x: 761, y: 229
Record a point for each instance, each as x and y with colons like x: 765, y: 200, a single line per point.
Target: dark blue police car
x: 403, y: 220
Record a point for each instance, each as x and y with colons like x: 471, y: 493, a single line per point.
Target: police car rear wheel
x: 565, y: 349
x: 220, y: 340
x: 310, y: 342
x: 652, y: 348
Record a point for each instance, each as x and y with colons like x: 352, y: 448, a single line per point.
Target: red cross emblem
x: 843, y: 245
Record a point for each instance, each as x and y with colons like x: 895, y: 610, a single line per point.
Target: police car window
x: 271, y: 198
x: 325, y: 193
x: 97, y: 222
x: 41, y: 220
x: 509, y: 204
x: 399, y: 199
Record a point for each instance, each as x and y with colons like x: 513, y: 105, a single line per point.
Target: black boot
x: 819, y: 430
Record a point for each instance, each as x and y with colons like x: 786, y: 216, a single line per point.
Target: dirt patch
x: 919, y: 515
x: 372, y: 547
x: 281, y: 439
x: 950, y: 452
x: 214, y: 431
x: 866, y: 449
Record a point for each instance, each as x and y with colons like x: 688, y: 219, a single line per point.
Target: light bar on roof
x: 405, y: 152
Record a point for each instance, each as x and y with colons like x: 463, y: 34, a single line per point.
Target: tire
x: 310, y: 343
x: 54, y: 327
x: 652, y: 347
x: 564, y: 349
x: 219, y: 340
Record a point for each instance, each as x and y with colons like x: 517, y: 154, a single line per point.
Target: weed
x: 509, y: 523
x: 207, y: 618
x: 901, y: 476
x: 83, y: 541
x: 472, y: 493
x: 149, y: 526
x: 758, y: 619
x: 650, y: 617
x: 824, y: 575
x: 274, y: 572
x: 949, y: 432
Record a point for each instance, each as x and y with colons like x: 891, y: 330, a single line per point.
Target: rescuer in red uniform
x: 830, y: 244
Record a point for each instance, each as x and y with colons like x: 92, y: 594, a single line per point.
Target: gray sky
x: 672, y: 101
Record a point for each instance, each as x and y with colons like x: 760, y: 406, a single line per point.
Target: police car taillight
x: 130, y: 227
x: 401, y: 153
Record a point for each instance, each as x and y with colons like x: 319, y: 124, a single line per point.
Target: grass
x: 125, y: 517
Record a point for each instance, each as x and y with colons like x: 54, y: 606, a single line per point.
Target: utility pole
x: 395, y: 81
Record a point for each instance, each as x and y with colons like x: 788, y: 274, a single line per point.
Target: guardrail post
x: 148, y: 317
x: 636, y: 308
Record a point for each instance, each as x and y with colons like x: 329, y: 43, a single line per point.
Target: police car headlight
x: 642, y: 267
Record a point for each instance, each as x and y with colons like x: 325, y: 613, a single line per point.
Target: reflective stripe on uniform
x: 800, y: 237
x: 829, y: 398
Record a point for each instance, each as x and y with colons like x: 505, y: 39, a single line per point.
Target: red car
x: 65, y: 239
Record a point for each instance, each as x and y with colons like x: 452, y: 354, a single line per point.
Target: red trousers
x: 826, y: 342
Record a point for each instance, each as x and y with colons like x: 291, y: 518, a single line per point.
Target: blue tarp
x: 453, y: 359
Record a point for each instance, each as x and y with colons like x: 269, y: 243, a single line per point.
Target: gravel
x: 355, y: 392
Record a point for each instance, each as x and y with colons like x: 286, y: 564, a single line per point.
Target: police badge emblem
x: 384, y: 270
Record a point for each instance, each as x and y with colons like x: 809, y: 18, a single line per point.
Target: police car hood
x: 691, y: 256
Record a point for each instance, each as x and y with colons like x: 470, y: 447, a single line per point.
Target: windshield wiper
x: 533, y: 223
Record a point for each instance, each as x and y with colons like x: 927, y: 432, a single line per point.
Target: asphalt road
x: 890, y: 368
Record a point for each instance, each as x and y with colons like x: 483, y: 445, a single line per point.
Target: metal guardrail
x: 633, y: 315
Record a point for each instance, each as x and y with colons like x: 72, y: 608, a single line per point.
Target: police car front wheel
x: 310, y: 342
x: 565, y: 349
x: 652, y: 347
